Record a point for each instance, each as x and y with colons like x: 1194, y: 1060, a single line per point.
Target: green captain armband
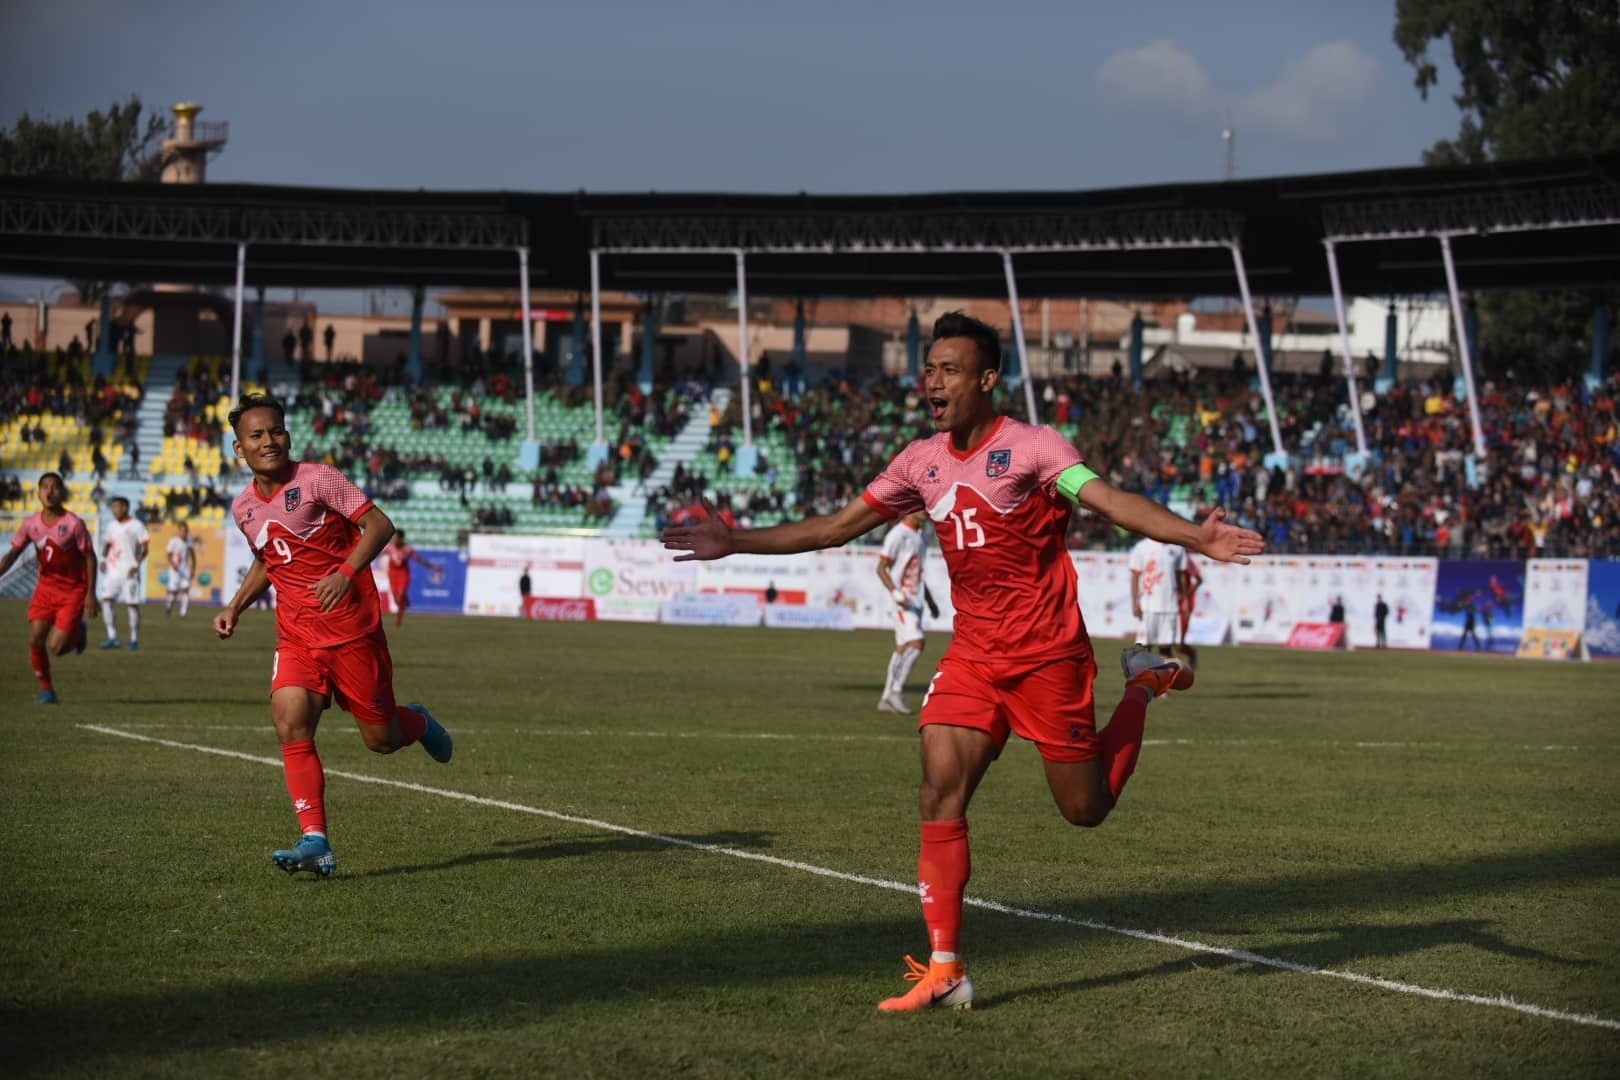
x: 1072, y: 479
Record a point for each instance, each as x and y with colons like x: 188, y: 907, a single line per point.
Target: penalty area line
x: 1185, y: 944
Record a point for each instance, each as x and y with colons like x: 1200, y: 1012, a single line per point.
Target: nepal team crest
x: 998, y: 463
x: 291, y: 499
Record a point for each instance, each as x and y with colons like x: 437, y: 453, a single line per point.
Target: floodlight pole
x: 1259, y: 357
x: 1462, y: 346
x: 1344, y: 347
x: 596, y: 339
x: 236, y: 334
x: 742, y: 348
x: 528, y: 337
x: 1018, y: 337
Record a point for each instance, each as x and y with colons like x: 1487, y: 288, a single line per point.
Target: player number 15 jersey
x: 1001, y: 525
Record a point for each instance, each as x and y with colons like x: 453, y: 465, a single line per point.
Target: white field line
x: 911, y: 737
x: 1240, y: 955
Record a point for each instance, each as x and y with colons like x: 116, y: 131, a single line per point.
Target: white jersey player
x: 900, y: 568
x: 1158, y: 579
x: 182, y: 558
x: 124, y: 541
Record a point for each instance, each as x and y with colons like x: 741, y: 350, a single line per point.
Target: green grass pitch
x: 1450, y: 825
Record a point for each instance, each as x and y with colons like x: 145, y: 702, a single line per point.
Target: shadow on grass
x: 215, y: 701
x: 313, y: 1005
x: 524, y: 851
x: 1347, y: 946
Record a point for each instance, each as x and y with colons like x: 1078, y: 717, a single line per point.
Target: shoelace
x: 918, y: 972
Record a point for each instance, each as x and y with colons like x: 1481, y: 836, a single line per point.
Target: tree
x: 114, y: 145
x: 1539, y: 78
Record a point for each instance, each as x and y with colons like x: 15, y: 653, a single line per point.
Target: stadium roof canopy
x: 1533, y: 224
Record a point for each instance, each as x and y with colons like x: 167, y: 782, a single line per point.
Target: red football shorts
x: 63, y: 607
x: 1048, y: 702
x: 358, y: 675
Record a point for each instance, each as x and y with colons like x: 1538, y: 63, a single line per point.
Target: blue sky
x: 824, y: 96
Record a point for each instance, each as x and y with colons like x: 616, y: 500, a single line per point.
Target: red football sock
x: 306, y: 783
x: 411, y: 725
x: 42, y: 666
x: 943, y: 869
x: 1121, y: 741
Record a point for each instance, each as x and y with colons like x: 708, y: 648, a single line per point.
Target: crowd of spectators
x: 1549, y: 484
x: 55, y: 383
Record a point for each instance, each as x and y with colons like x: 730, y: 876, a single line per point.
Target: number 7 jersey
x: 302, y: 532
x: 1001, y: 525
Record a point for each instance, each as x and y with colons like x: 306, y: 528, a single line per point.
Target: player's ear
x: 988, y: 379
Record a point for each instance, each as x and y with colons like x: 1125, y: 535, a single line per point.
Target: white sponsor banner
x: 1207, y: 630
x: 751, y: 575
x: 711, y: 609
x: 1407, y: 586
x: 630, y: 579
x: 808, y: 617
x: 496, y: 562
x: 238, y: 561
x: 1555, y: 594
x: 1105, y: 592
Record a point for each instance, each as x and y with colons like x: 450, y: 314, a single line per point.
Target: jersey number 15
x: 967, y: 529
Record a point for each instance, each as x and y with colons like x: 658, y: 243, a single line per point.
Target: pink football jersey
x: 1001, y: 525
x: 61, y: 546
x: 303, y: 531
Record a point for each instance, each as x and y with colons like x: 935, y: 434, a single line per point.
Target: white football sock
x: 185, y: 603
x: 888, y: 681
x: 908, y: 660
x: 109, y: 615
x: 134, y: 624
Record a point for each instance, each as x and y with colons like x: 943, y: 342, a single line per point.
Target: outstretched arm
x: 1211, y: 537
x: 714, y: 539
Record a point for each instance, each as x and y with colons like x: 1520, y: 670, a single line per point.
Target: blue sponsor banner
x: 444, y: 591
x: 1603, y: 608
x: 1479, y: 606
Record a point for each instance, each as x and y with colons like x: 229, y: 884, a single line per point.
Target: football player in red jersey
x: 1000, y: 494
x: 314, y: 535
x: 65, y: 595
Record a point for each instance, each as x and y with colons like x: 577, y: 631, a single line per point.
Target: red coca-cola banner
x: 559, y: 609
x: 1317, y: 635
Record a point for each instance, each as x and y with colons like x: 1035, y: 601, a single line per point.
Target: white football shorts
x: 1159, y: 628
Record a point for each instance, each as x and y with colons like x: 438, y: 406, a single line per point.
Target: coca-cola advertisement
x: 1316, y: 635
x: 559, y: 608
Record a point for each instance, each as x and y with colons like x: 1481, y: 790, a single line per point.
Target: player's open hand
x: 92, y: 610
x: 331, y: 589
x: 225, y: 623
x: 707, y: 539
x: 1227, y: 543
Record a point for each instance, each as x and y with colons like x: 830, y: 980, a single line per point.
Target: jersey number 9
x: 282, y: 549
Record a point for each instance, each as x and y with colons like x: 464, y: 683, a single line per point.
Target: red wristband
x: 347, y: 571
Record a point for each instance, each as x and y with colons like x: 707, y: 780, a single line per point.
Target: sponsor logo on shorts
x: 997, y: 464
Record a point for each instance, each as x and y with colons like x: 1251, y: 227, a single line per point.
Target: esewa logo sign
x: 629, y: 578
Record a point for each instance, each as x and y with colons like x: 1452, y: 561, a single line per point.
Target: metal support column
x: 1344, y: 348
x: 596, y: 349
x: 530, y: 454
x: 236, y: 329
x: 413, y: 362
x: 1018, y: 338
x: 1463, y: 346
x: 1259, y: 358
x: 746, y: 454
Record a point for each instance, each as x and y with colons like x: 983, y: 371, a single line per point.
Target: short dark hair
x: 119, y: 498
x: 984, y: 336
x: 248, y: 402
x: 53, y: 474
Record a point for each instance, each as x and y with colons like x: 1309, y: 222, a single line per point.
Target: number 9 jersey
x: 1001, y: 525
x: 302, y: 532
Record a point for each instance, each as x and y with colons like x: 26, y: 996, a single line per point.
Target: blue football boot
x: 46, y: 697
x: 435, y: 740
x: 312, y: 853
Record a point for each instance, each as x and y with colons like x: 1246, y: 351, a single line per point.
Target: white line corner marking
x: 1240, y: 955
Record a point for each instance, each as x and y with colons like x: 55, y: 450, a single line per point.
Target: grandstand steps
x: 160, y: 378
x: 686, y: 446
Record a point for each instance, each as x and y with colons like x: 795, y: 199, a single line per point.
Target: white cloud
x: 1311, y: 99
